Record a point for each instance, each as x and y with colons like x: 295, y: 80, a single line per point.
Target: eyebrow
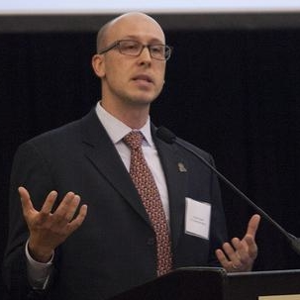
x: 134, y: 37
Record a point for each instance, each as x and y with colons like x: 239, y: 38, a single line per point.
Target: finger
x: 49, y: 203
x: 249, y: 238
x: 253, y: 225
x: 229, y: 250
x: 246, y: 253
x: 70, y: 207
x: 222, y: 258
x: 76, y: 223
x: 67, y: 208
x: 228, y: 265
x: 240, y: 246
x: 240, y: 255
x: 23, y: 193
x: 230, y: 253
x: 251, y: 246
x: 241, y: 251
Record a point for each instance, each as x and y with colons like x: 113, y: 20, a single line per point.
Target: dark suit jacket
x: 114, y: 249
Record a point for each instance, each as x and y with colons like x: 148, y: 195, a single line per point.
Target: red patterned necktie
x: 147, y: 189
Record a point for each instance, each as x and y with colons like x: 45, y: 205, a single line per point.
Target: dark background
x: 233, y: 91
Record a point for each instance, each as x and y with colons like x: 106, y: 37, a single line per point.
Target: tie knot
x: 133, y: 139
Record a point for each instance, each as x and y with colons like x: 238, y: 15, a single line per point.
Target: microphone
x: 169, y: 137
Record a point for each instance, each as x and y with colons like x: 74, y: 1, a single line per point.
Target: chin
x: 142, y: 100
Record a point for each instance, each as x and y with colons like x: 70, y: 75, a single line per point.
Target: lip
x: 143, y: 78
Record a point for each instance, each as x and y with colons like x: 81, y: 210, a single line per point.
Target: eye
x: 158, y: 49
x: 130, y: 46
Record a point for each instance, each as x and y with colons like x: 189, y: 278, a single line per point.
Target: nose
x: 145, y: 54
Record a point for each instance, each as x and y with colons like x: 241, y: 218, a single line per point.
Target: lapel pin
x: 181, y: 167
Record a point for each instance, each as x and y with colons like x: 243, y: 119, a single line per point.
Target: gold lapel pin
x: 181, y: 167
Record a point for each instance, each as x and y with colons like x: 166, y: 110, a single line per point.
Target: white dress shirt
x: 117, y: 131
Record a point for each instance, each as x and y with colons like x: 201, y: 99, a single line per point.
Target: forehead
x: 137, y: 26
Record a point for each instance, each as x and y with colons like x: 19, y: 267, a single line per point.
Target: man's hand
x: 50, y: 229
x: 240, y: 254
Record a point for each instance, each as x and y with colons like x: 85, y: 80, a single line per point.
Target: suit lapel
x: 102, y: 153
x: 176, y: 175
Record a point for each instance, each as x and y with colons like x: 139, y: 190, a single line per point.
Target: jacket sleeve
x: 31, y: 171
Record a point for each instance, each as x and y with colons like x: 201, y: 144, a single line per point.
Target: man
x: 111, y: 243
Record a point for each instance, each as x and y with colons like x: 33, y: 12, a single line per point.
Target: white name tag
x: 197, y: 218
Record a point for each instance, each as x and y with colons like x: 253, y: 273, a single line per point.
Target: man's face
x: 137, y: 80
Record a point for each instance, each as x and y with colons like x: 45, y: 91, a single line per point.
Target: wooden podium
x: 216, y: 284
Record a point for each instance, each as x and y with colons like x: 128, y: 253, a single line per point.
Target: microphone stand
x: 170, y: 138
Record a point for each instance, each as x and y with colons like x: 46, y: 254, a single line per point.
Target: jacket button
x: 151, y: 241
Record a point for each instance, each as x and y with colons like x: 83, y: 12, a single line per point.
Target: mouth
x: 143, y: 78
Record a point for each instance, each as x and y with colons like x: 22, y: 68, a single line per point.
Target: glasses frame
x: 116, y: 44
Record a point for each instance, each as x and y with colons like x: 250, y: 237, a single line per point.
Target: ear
x: 98, y: 65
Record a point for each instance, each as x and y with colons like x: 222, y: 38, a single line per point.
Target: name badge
x: 197, y: 218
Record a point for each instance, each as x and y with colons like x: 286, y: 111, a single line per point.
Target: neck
x: 134, y: 116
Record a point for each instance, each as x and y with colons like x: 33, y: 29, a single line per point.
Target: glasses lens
x: 130, y: 47
x: 134, y: 48
x: 168, y: 52
x: 158, y: 51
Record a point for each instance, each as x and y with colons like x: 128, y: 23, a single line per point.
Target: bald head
x: 126, y: 24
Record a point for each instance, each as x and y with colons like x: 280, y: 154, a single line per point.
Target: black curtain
x: 234, y: 93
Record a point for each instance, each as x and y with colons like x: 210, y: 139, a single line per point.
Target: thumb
x: 25, y: 199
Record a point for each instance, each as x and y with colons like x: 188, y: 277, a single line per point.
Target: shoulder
x: 179, y: 145
x: 58, y: 139
x: 64, y: 133
x: 194, y: 149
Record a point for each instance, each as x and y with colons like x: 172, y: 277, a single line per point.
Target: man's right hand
x: 49, y: 229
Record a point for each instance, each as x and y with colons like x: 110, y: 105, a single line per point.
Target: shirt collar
x: 117, y: 129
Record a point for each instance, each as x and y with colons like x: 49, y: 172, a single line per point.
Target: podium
x: 255, y: 285
x: 197, y: 283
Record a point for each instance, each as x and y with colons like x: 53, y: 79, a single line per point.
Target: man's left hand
x: 240, y: 255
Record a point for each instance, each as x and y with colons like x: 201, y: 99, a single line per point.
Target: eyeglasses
x: 135, y: 48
